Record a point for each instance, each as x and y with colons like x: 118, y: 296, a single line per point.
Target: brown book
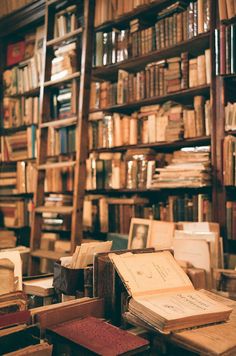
x: 230, y: 8
x: 153, y: 296
x: 222, y: 9
x: 199, y: 115
x: 201, y: 69
x: 200, y: 17
x: 193, y: 73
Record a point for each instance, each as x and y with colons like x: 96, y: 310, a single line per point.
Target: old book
x: 42, y: 349
x: 39, y: 286
x: 62, y: 312
x: 162, y: 294
x: 99, y: 337
x: 219, y: 339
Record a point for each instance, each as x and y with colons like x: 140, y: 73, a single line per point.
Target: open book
x: 162, y: 294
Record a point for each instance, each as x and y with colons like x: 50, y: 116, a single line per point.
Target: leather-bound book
x: 99, y: 337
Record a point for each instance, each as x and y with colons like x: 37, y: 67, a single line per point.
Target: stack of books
x: 187, y: 168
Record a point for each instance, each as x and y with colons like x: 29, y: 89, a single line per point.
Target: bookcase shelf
x: 160, y: 146
x: 193, y: 46
x: 11, y: 130
x: 182, y: 96
x: 31, y: 92
x: 174, y: 190
x: 142, y: 10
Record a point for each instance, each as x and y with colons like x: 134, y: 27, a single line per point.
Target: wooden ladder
x: 81, y: 82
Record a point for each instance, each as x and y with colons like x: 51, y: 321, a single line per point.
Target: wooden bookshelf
x: 193, y: 46
x: 182, y: 96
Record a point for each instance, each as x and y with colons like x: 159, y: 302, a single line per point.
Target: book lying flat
x: 100, y: 337
x: 163, y: 295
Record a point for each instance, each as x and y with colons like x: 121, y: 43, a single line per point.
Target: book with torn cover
x: 163, y: 295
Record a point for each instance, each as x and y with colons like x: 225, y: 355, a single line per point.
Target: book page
x: 162, y: 234
x: 220, y: 337
x: 179, y: 305
x: 148, y: 273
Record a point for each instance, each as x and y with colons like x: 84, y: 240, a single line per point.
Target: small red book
x: 100, y: 337
x: 15, y: 52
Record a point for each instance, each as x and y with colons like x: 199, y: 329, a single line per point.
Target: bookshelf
x: 62, y: 143
x: 224, y: 44
x: 128, y: 45
x: 16, y: 192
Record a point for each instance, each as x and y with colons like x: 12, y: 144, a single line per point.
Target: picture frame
x: 139, y: 233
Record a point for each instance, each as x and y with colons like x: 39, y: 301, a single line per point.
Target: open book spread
x: 162, y: 294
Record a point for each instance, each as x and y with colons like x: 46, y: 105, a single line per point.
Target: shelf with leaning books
x: 109, y: 14
x: 183, y: 95
x: 193, y: 46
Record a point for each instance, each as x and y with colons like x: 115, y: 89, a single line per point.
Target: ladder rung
x: 67, y: 36
x: 56, y: 165
x: 59, y: 123
x: 62, y: 80
x: 66, y: 210
x: 51, y: 255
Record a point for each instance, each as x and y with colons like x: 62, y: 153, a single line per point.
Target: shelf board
x: 147, y: 191
x: 56, y: 165
x: 123, y: 20
x: 50, y: 255
x: 17, y: 195
x: 67, y: 36
x: 59, y: 123
x: 199, y: 141
x: 62, y: 80
x: 193, y: 46
x: 65, y: 210
x: 230, y: 132
x: 11, y: 130
x: 31, y: 92
x: 230, y: 21
x: 181, y: 95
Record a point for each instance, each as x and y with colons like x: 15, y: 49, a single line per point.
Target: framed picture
x: 139, y: 233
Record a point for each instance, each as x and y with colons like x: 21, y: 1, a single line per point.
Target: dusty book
x: 162, y: 295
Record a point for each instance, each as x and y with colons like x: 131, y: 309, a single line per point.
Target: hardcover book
x: 162, y: 295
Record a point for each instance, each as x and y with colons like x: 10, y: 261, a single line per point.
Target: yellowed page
x: 150, y: 272
x: 162, y: 234
x: 179, y: 305
x: 216, y: 339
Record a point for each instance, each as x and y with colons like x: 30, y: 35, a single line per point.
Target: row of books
x: 154, y: 123
x: 109, y: 10
x: 61, y: 141
x: 20, y: 145
x: 231, y: 220
x: 158, y: 78
x: 65, y: 21
x: 227, y: 9
x: 189, y: 167
x: 8, y: 6
x: 229, y: 164
x: 143, y: 169
x: 21, y: 78
x: 63, y: 102
x: 64, y: 62
x: 103, y: 214
x: 225, y: 49
x: 174, y: 24
x: 20, y: 111
x: 20, y: 178
x: 230, y: 116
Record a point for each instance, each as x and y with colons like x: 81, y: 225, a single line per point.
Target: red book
x: 19, y: 317
x: 222, y: 50
x: 15, y: 52
x: 100, y: 337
